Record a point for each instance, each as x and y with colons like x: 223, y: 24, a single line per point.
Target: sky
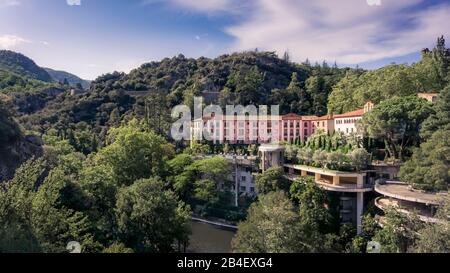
x: 93, y: 37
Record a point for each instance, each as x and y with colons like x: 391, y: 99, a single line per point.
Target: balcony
x: 331, y: 180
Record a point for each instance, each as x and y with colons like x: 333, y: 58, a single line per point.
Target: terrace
x: 331, y: 180
x: 402, y: 191
x: 407, y: 200
x: 425, y: 213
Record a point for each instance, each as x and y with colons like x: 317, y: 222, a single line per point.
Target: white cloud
x: 73, y: 2
x: 206, y: 6
x: 349, y: 32
x: 11, y: 41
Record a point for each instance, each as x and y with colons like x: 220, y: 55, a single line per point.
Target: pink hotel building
x: 286, y: 128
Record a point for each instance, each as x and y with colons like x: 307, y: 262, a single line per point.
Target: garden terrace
x: 331, y: 180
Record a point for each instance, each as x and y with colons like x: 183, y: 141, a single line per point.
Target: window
x: 243, y: 178
x: 252, y: 189
x: 243, y: 188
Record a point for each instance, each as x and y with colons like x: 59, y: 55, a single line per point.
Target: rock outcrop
x: 14, y: 154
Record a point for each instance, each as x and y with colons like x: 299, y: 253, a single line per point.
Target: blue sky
x: 92, y: 37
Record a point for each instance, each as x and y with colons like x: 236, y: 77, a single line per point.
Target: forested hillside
x: 19, y: 73
x: 254, y: 77
x: 21, y: 65
x: 430, y: 74
x: 67, y: 78
x: 241, y: 78
x: 12, y: 82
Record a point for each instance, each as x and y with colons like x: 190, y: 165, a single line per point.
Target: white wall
x: 346, y: 125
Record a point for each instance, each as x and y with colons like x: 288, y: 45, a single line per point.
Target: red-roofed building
x: 324, y: 123
x: 267, y: 129
x: 346, y: 123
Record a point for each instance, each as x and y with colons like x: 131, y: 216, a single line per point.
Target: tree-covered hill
x: 430, y: 74
x: 241, y: 78
x: 260, y: 78
x: 12, y: 82
x: 23, y: 66
x: 62, y: 76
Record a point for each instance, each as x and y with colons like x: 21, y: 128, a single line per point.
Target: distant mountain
x: 73, y: 80
x: 21, y: 65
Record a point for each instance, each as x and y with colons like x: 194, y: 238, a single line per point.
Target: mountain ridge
x: 60, y: 76
x: 22, y: 65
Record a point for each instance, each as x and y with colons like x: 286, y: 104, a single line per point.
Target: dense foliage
x: 331, y: 151
x: 430, y: 74
x: 111, y: 179
x: 429, y: 167
x: 298, y: 222
x: 397, y: 122
x: 102, y: 201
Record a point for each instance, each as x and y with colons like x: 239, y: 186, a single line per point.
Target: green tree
x: 157, y: 113
x: 117, y: 248
x: 100, y: 190
x: 114, y: 118
x: 270, y: 227
x: 246, y: 82
x: 299, y: 100
x: 397, y: 121
x: 441, y: 118
x: 150, y: 219
x: 434, y: 237
x: 433, y: 70
x: 316, y: 90
x: 272, y: 180
x: 360, y: 159
x: 314, y: 216
x: 16, y: 197
x: 133, y: 154
x: 56, y: 216
x: 399, y: 232
x: 336, y: 160
x: 210, y: 175
x: 429, y: 167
